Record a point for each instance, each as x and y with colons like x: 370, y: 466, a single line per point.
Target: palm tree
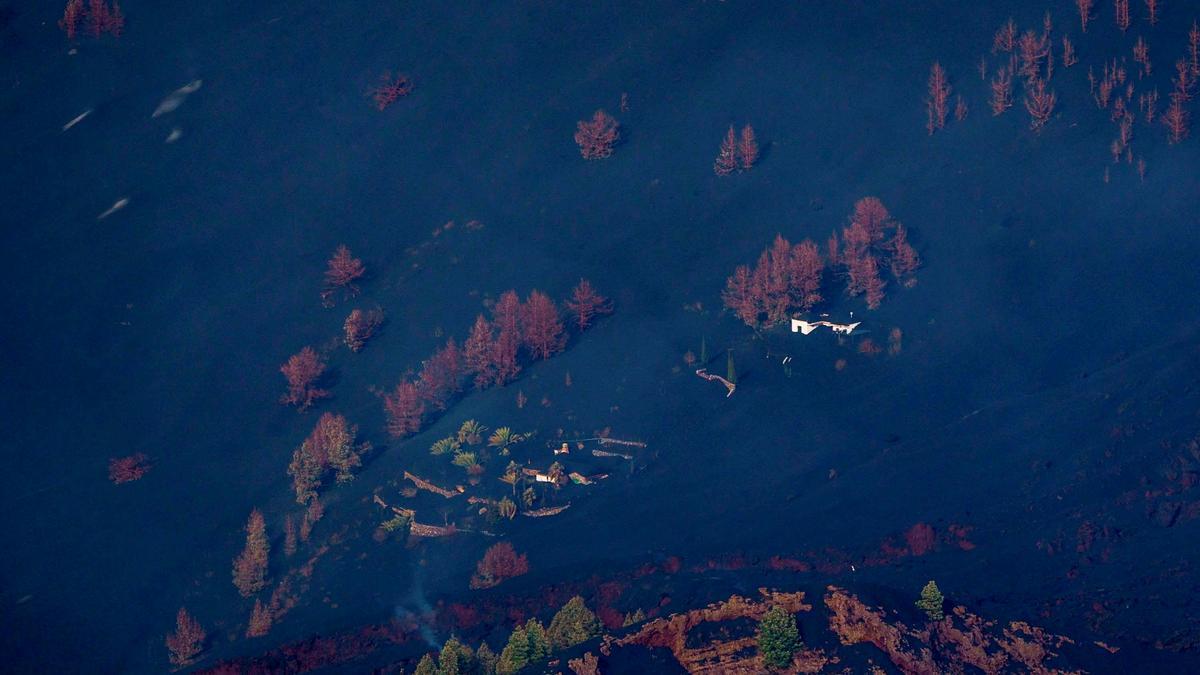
x: 444, y: 446
x: 503, y: 438
x: 512, y: 474
x: 471, y: 432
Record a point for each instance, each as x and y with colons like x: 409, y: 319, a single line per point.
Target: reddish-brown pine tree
x: 774, y: 286
x: 499, y: 562
x: 1121, y: 8
x: 806, y: 268
x: 114, y: 22
x: 1194, y: 48
x: 1141, y: 54
x: 1068, y: 56
x: 404, y: 409
x: 726, y: 160
x: 250, y: 567
x: 1005, y: 38
x: 1034, y: 49
x: 391, y: 89
x: 440, y: 375
x: 302, y: 372
x: 856, y: 241
x: 1184, y: 81
x: 597, y: 137
x: 1152, y: 11
x: 1039, y: 102
x: 187, y: 641
x: 360, y: 326
x: 834, y: 249
x: 313, y: 514
x: 1149, y: 103
x: 1085, y: 13
x: 586, y: 304
x: 289, y: 536
x: 541, y: 326
x: 331, y: 444
x: 960, y: 109
x: 260, y: 620
x: 1001, y: 99
x: 128, y: 469
x: 747, y: 150
x: 344, y: 269
x: 306, y: 469
x: 904, y: 257
x: 1176, y: 121
x: 939, y: 93
x: 506, y: 317
x: 72, y: 15
x: 872, y: 285
x: 739, y: 296
x: 477, y: 353
x: 506, y: 313
x: 504, y: 357
x: 873, y: 215
x: 921, y: 539
x: 97, y: 17
x: 862, y: 274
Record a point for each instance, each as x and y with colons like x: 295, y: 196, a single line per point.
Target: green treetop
x: 778, y: 638
x: 931, y: 601
x: 573, y: 624
x: 515, y: 654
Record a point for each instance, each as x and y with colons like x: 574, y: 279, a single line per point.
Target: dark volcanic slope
x: 1045, y: 396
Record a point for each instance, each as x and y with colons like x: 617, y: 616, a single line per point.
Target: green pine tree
x: 455, y: 659
x: 515, y: 655
x: 778, y: 637
x: 426, y: 666
x: 485, y: 660
x: 931, y: 601
x: 573, y: 624
x: 539, y: 646
x: 730, y: 369
x: 636, y: 617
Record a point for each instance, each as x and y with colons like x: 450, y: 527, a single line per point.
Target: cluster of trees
x: 736, y: 153
x: 331, y: 446
x: 789, y: 278
x: 250, y: 566
x: 596, y: 137
x: 1031, y: 57
x: 99, y: 16
x: 531, y: 643
x: 778, y: 638
x: 501, y: 561
x: 491, y: 355
x: 528, y: 644
x: 471, y: 433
